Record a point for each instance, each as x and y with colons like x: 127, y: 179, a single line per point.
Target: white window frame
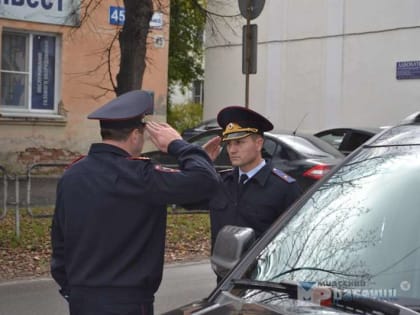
x: 27, y: 110
x: 197, y: 91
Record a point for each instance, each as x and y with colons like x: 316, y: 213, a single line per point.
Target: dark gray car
x: 350, y: 245
x: 347, y: 139
x: 303, y: 156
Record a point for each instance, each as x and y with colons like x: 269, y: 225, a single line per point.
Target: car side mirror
x: 231, y: 243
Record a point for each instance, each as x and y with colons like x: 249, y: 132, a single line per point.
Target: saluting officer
x: 108, y: 231
x: 253, y: 193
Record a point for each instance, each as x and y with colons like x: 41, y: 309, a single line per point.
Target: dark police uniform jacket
x: 109, y: 223
x: 264, y: 197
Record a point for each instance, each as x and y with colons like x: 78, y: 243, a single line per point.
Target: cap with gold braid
x: 239, y: 122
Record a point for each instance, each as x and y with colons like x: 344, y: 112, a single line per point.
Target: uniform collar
x: 261, y: 174
x: 107, y: 148
x: 254, y: 171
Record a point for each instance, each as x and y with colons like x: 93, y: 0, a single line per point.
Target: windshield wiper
x: 366, y: 275
x: 288, y: 288
x: 347, y: 301
x: 357, y: 303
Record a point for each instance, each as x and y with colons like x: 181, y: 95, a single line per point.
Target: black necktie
x: 241, y: 183
x: 243, y: 178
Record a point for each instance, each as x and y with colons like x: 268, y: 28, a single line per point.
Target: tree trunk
x: 133, y: 44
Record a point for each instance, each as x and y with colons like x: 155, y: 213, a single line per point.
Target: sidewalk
x: 182, y: 283
x: 45, y: 277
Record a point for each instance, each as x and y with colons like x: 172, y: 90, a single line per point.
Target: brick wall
x: 45, y: 155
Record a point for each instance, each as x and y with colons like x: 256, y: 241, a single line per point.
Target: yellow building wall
x: 85, y: 84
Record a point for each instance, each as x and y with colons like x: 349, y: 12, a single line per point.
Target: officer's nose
x: 232, y: 147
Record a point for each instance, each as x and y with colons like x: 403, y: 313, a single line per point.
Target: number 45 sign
x: 117, y: 17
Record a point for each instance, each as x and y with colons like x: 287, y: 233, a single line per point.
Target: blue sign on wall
x: 43, y: 72
x: 116, y: 15
x: 408, y: 70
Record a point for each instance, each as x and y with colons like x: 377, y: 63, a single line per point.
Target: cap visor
x: 236, y: 135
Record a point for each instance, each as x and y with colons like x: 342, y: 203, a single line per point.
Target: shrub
x: 182, y: 116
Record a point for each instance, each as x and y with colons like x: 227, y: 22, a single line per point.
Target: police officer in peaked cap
x: 238, y: 122
x: 108, y: 230
x: 253, y: 193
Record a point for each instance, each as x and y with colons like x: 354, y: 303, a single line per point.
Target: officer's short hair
x: 115, y: 134
x: 121, y: 134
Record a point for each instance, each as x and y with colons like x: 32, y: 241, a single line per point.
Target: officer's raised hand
x: 213, y: 148
x: 162, y: 134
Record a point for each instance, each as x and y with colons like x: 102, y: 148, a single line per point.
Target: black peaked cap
x: 125, y: 111
x: 238, y: 122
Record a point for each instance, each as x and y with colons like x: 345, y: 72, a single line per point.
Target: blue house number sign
x: 116, y: 15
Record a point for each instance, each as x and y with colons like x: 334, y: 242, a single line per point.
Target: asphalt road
x: 181, y: 284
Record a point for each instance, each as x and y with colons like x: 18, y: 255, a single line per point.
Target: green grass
x: 35, y: 232
x: 187, y: 238
x: 181, y: 227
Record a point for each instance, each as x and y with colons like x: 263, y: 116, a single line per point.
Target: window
x: 28, y: 73
x: 269, y: 149
x: 198, y: 92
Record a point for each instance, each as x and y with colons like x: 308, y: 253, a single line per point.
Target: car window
x: 203, y: 139
x: 204, y: 136
x: 359, y: 230
x: 354, y: 140
x: 269, y: 147
x: 289, y: 154
x: 333, y: 139
x: 306, y: 147
x: 222, y: 161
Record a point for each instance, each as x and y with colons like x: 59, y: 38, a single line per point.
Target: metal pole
x: 29, y: 186
x: 17, y: 214
x: 3, y: 215
x: 247, y: 53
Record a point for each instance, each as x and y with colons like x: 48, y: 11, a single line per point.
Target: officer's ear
x: 134, y: 134
x: 259, y: 140
x: 139, y: 131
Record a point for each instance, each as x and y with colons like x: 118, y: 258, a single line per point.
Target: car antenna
x: 300, y: 123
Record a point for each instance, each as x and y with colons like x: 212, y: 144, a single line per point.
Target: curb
x: 187, y: 263
x: 49, y: 278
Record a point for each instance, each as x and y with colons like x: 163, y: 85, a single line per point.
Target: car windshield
x: 359, y: 230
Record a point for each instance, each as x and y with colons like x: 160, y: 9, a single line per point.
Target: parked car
x: 350, y: 245
x: 204, y: 126
x: 347, y: 139
x: 302, y: 156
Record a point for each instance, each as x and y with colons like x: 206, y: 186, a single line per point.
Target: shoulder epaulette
x: 164, y: 169
x: 140, y: 158
x: 283, y: 175
x: 75, y: 161
x: 225, y: 170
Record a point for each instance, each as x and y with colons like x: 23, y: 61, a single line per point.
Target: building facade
x: 56, y: 69
x: 320, y: 63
